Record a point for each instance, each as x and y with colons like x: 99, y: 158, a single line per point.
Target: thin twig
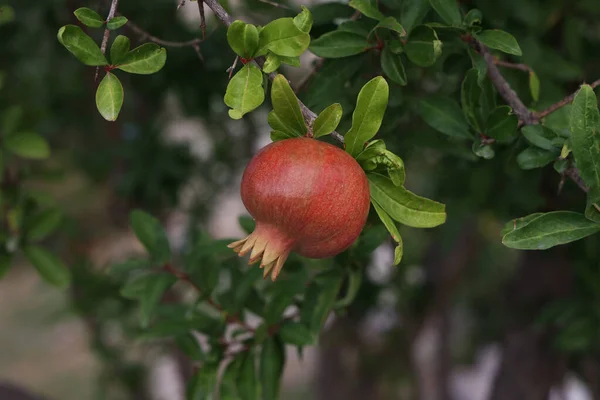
x: 275, y: 4
x: 567, y: 100
x: 232, y: 68
x: 111, y: 15
x: 506, y: 64
x: 202, y: 18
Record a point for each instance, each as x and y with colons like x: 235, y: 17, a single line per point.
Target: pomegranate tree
x: 306, y: 196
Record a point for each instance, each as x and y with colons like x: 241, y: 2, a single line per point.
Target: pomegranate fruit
x: 306, y: 196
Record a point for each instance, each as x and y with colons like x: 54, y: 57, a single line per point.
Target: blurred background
x: 461, y: 318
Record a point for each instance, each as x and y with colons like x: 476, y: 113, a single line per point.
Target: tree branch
x: 567, y: 100
x: 226, y: 19
x: 506, y: 64
x: 111, y: 15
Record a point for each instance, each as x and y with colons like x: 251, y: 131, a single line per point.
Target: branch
x: 226, y: 19
x: 202, y: 18
x: 567, y: 100
x: 111, y: 15
x: 506, y: 64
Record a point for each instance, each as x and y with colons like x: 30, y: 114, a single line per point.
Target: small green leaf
x: 293, y: 61
x: 484, y: 151
x: 423, y: 46
x: 44, y: 224
x: 156, y: 286
x: 540, y: 136
x: 304, y: 20
x: 398, y: 252
x: 445, y: 115
x: 283, y: 37
x: 448, y: 10
x: 501, y: 124
x: 286, y: 107
x: 190, y: 346
x: 243, y: 39
x: 272, y: 361
x: 389, y: 23
x: 119, y: 49
x: 295, y: 333
x: 327, y: 121
x: 354, y: 281
x: 144, y: 60
x: 81, y: 45
x: 534, y: 86
x: 319, y: 299
x: 51, y: 268
x: 151, y: 234
x: 338, y: 44
x: 272, y: 62
x: 499, y: 40
x: 109, y: 97
x: 367, y: 116
x: 281, y: 129
x: 123, y: 269
x: 116, y: 22
x: 202, y: 385
x: 405, y: 206
x: 247, y: 380
x: 413, y: 12
x: 280, y: 135
x: 470, y: 96
x: 89, y: 17
x: 533, y: 157
x: 361, y: 27
x: 27, y: 145
x: 7, y: 14
x: 387, y: 221
x: 392, y: 66
x: 473, y: 18
x: 367, y: 8
x: 244, y: 91
x: 549, y: 230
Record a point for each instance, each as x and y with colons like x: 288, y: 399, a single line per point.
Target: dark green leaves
x: 27, y: 145
x: 319, y: 299
x: 243, y: 39
x: 151, y: 234
x: 368, y: 114
x: 543, y: 231
x: 444, y: 115
x: 501, y: 124
x: 499, y: 40
x: 244, y: 91
x: 109, y: 97
x: 295, y: 333
x: 247, y: 383
x: 470, y: 95
x: 405, y: 206
x: 448, y: 10
x: 43, y: 224
x: 50, y: 267
x: 286, y: 109
x: 116, y: 22
x: 533, y: 157
x: 339, y: 44
x: 272, y: 359
x: 89, y: 17
x: 144, y: 60
x: 367, y: 8
x: 81, y: 45
x: 202, y: 385
x: 327, y: 121
x: 542, y: 137
x: 423, y: 46
x: 283, y: 37
x: 392, y: 66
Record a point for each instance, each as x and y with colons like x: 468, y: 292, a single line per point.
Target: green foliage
x: 81, y: 45
x: 245, y: 92
x: 109, y: 97
x: 327, y: 121
x: 89, y: 17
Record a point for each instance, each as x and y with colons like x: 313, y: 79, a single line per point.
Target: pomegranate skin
x: 306, y: 196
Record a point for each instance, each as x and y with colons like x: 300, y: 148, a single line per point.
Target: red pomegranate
x: 306, y: 196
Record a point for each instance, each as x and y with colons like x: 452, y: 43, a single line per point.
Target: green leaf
x: 354, y: 281
x: 412, y: 13
x: 89, y: 17
x: 190, y: 346
x: 272, y: 360
x: 533, y: 157
x: 280, y: 135
x: 501, y: 124
x: 123, y: 269
x: 243, y: 39
x: 367, y: 8
x: 119, y: 49
x: 338, y: 44
x: 44, y: 224
x: 585, y: 136
x: 293, y: 61
x: 387, y: 221
x: 295, y: 333
x: 482, y: 150
x: 519, y: 223
x: 81, y: 45
x: 109, y: 97
x: 272, y: 62
x: 499, y: 40
x: 286, y: 107
x: 448, y: 10
x: 534, y: 86
x: 367, y: 116
x: 155, y: 286
x: 281, y: 130
x: 151, y: 234
x: 392, y: 66
x: 405, y: 206
x: 283, y: 38
x: 398, y: 252
x: 473, y: 18
x: 361, y: 27
x: 116, y: 22
x: 304, y: 20
x: 470, y: 95
x: 144, y: 60
x: 247, y: 382
x: 27, y: 145
x: 244, y: 91
x: 549, y: 230
x: 7, y: 14
x: 202, y: 385
x: 540, y: 136
x: 445, y: 115
x: 390, y: 23
x: 327, y: 121
x: 51, y: 268
x: 423, y: 46
x: 319, y: 299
